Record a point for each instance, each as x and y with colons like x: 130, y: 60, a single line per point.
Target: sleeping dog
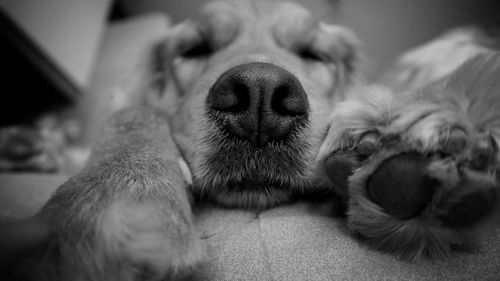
x: 259, y: 107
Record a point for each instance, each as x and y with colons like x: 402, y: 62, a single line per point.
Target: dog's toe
x: 467, y: 202
x: 339, y: 167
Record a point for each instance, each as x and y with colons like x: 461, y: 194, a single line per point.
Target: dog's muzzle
x: 259, y: 102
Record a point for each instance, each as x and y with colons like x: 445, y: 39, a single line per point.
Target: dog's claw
x: 455, y: 142
x: 368, y: 143
x: 390, y: 140
x: 483, y: 152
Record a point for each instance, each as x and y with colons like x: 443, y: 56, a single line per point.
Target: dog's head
x: 250, y: 85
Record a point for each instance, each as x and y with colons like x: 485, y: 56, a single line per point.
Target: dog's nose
x: 260, y: 102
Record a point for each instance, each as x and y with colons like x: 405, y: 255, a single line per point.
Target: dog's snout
x: 260, y: 102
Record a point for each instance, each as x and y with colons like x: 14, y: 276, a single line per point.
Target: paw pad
x: 401, y: 185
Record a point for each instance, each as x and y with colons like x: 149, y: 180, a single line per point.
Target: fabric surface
x: 301, y: 242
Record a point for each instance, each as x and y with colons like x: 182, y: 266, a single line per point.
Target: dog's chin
x: 235, y: 173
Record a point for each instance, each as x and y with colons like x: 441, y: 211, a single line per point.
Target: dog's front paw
x: 417, y: 176
x: 151, y: 242
x: 127, y: 240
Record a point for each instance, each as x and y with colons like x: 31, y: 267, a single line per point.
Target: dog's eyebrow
x: 218, y: 25
x: 183, y: 36
x: 295, y: 29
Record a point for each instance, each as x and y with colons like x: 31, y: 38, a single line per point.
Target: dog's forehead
x: 274, y: 14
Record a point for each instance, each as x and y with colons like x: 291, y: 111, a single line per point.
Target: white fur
x: 142, y: 235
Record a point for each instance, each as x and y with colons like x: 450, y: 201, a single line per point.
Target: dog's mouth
x: 236, y: 172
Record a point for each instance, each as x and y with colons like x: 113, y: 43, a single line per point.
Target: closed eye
x: 311, y: 55
x: 198, y: 50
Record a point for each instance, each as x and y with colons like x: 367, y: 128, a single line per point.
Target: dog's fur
x: 441, y: 102
x: 127, y: 214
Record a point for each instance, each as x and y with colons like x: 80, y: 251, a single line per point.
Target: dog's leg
x: 419, y: 169
x: 127, y: 215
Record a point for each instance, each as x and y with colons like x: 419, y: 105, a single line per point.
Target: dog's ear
x: 343, y: 48
x: 167, y: 94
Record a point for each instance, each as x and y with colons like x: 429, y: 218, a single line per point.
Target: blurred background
x: 387, y: 27
x: 67, y: 64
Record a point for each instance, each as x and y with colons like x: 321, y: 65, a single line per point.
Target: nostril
x: 289, y: 99
x: 232, y: 97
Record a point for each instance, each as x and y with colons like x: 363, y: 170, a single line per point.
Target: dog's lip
x: 257, y: 182
x: 247, y: 184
